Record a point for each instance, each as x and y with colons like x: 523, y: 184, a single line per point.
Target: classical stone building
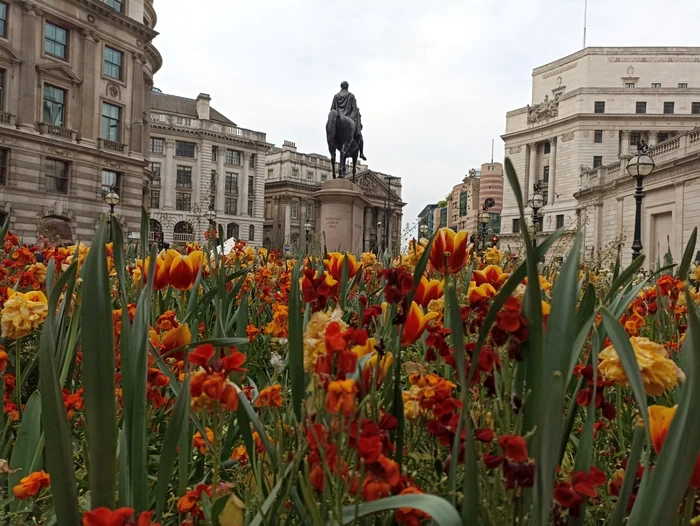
x: 670, y: 209
x: 590, y: 109
x: 200, y: 161
x: 291, y: 208
x: 75, y: 87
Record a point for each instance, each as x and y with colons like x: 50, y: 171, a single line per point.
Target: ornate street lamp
x: 535, y: 203
x: 210, y: 216
x: 484, y: 219
x: 112, y: 199
x: 307, y: 229
x: 639, y: 167
x: 379, y: 229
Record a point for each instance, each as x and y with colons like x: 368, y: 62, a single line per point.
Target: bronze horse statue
x: 341, y: 136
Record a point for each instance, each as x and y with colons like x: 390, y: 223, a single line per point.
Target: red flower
x: 514, y: 446
x: 202, y: 354
x: 566, y: 496
x: 492, y: 461
x: 485, y: 434
x: 233, y: 362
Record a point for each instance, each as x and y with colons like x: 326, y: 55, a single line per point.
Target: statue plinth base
x: 342, y: 215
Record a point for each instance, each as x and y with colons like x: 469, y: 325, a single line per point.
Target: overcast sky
x: 433, y: 80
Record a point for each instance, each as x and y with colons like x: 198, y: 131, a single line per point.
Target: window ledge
x: 57, y: 131
x: 111, y: 146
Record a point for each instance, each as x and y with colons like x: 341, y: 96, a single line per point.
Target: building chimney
x: 289, y: 145
x: 203, y: 108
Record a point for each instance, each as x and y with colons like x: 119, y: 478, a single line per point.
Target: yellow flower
x: 368, y: 259
x: 23, y: 313
x: 437, y: 305
x: 657, y: 370
x: 493, y: 256
x: 315, y: 335
x: 367, y: 348
x: 411, y: 407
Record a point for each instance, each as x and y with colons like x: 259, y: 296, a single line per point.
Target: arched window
x: 183, y: 232
x: 154, y: 228
x: 232, y: 231
x: 267, y: 243
x: 295, y: 241
x: 251, y: 233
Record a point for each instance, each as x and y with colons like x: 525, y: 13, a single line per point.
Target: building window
x: 3, y: 19
x: 560, y: 221
x: 230, y: 206
x: 111, y: 115
x: 597, y: 161
x: 232, y: 230
x: 214, y: 153
x: 324, y: 177
x: 682, y: 84
x: 270, y: 173
x: 463, y: 196
x: 656, y: 85
x: 116, y: 4
x: 2, y: 89
x: 268, y: 209
x: 662, y: 137
x: 157, y: 144
x: 110, y: 180
x: 516, y: 225
x: 547, y: 147
x: 184, y: 177
x: 231, y: 186
x: 630, y: 85
x: 56, y: 176
x: 309, y: 175
x: 55, y: 41
x: 251, y: 161
x: 599, y: 107
x: 54, y: 105
x: 113, y: 63
x: 155, y: 198
x: 213, y: 181
x: 668, y: 107
x: 250, y: 208
x: 184, y: 121
x: 635, y: 137
x: 295, y: 209
x: 695, y: 108
x: 251, y: 233
x: 183, y: 201
x: 184, y: 149
x: 3, y: 167
x: 545, y: 175
x: 598, y: 136
x: 295, y: 173
x: 155, y: 172
x: 251, y: 185
x: 233, y: 157
x: 641, y: 107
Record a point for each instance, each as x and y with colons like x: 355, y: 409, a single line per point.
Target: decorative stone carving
x: 369, y: 185
x: 653, y: 59
x: 515, y: 149
x: 545, y: 110
x: 113, y: 164
x: 560, y: 70
x: 630, y: 70
x: 59, y: 152
x: 139, y: 42
x: 568, y: 137
x: 170, y: 143
x: 586, y: 134
x: 91, y: 19
x: 113, y: 91
x: 29, y: 8
x: 611, y: 134
x: 90, y: 34
x: 8, y: 140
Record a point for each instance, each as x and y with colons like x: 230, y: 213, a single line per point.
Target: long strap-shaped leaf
x: 26, y: 443
x: 441, y: 511
x: 296, y: 343
x: 630, y: 476
x: 97, y: 340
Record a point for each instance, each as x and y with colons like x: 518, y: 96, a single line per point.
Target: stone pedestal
x: 342, y: 215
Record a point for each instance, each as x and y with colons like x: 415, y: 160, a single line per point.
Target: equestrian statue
x: 344, y: 130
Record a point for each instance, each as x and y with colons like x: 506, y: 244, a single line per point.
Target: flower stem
x: 18, y: 379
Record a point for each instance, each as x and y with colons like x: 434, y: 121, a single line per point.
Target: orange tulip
x: 174, y: 338
x: 484, y: 291
x: 184, y: 268
x: 341, y: 397
x: 334, y: 265
x: 31, y: 485
x: 492, y: 274
x: 428, y: 290
x: 449, y: 252
x: 660, y: 419
x: 416, y: 322
x: 161, y: 273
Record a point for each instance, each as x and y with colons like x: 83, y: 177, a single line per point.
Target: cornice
x: 298, y: 185
x: 258, y: 146
x: 132, y: 26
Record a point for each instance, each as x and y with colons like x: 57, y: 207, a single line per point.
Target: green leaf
x: 26, y: 444
x: 274, y: 495
x: 344, y: 285
x: 97, y: 339
x: 630, y: 476
x: 441, y: 511
x: 421, y: 266
x: 669, y: 480
x: 145, y: 228
x: 168, y: 452
x: 118, y: 255
x: 296, y: 344
x: 688, y: 255
x: 620, y: 339
x: 622, y: 279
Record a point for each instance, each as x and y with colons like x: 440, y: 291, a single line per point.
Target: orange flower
x: 202, y: 354
x: 634, y: 323
x: 334, y: 265
x: 410, y: 516
x: 184, y: 268
x: 118, y: 517
x: 252, y: 331
x: 271, y: 396
x: 4, y: 358
x: 449, y: 252
x: 175, y: 338
x: 189, y: 503
x: 660, y: 419
x: 240, y: 454
x: 31, y: 485
x: 199, y: 442
x: 341, y: 397
x: 492, y: 274
x: 428, y: 290
x: 416, y: 322
x: 481, y: 292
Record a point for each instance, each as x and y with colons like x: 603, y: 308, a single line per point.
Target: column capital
x: 246, y: 155
x: 653, y: 134
x: 170, y: 143
x: 90, y: 35
x: 31, y: 9
x: 626, y: 135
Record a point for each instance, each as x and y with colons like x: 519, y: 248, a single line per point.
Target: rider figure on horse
x: 345, y: 104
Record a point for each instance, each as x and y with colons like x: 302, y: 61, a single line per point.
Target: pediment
x: 59, y: 71
x: 8, y: 51
x: 373, y: 185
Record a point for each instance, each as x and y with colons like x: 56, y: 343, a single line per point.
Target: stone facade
x: 290, y: 206
x: 590, y: 109
x: 670, y: 209
x: 200, y: 161
x: 76, y: 78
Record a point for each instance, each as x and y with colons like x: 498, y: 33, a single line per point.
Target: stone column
x: 552, y: 171
x: 137, y: 104
x: 368, y: 227
x: 26, y: 113
x: 287, y: 223
x: 653, y: 137
x: 598, y: 224
x: 678, y: 241
x: 86, y: 129
x: 625, y: 144
x: 243, y: 187
x: 620, y: 215
x: 531, y: 178
x: 220, y: 181
x: 169, y: 178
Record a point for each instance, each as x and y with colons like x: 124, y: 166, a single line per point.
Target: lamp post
x: 112, y: 199
x: 536, y: 202
x: 210, y: 215
x: 639, y: 167
x: 379, y: 229
x: 424, y: 230
x: 484, y: 219
x: 307, y: 229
